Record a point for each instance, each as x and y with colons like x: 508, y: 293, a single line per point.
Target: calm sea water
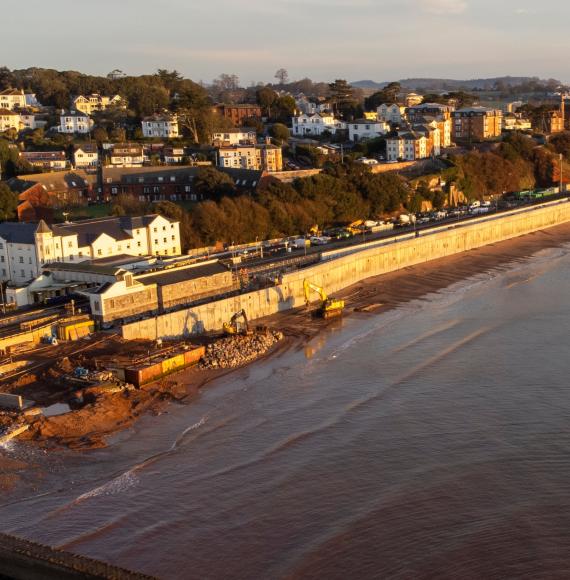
x: 429, y: 442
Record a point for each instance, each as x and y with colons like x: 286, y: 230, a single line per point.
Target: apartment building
x: 253, y: 157
x: 12, y: 99
x: 26, y: 247
x: 161, y: 125
x: 427, y: 113
x: 237, y: 113
x: 168, y: 183
x: 476, y: 123
x: 75, y: 122
x: 229, y: 137
x: 95, y: 102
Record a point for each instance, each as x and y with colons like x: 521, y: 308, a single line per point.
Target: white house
x: 9, y: 120
x: 363, y: 129
x: 12, y: 99
x: 85, y: 156
x: 163, y: 125
x: 408, y: 146
x: 71, y: 122
x: 393, y: 113
x: 229, y: 137
x: 26, y: 247
x: 127, y: 155
x: 316, y: 124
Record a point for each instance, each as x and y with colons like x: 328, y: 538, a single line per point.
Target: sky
x: 381, y: 40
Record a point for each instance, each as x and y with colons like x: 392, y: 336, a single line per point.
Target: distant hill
x: 432, y: 84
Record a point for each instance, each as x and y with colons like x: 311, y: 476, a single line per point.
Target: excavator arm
x: 308, y: 286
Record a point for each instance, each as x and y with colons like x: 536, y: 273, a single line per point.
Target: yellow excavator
x: 329, y: 307
x: 355, y: 228
x: 315, y: 231
x: 234, y: 326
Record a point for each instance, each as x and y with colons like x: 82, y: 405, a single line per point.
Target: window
x: 29, y: 260
x: 164, y: 240
x: 155, y: 230
x: 3, y: 271
x: 174, y: 250
x: 1, y: 246
x: 139, y: 244
x: 96, y: 306
x: 99, y: 252
x: 173, y: 238
x: 21, y: 259
x: 22, y: 273
x: 1, y: 258
x: 156, y: 242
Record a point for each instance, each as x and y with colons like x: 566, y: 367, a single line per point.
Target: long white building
x: 316, y: 124
x: 26, y: 247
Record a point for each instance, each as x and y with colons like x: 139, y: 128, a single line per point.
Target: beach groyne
x: 343, y: 268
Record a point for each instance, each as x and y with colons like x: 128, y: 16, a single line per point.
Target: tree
x: 266, y: 98
x: 127, y: 204
x: 280, y: 132
x: 100, y: 135
x: 282, y: 76
x: 388, y: 95
x: 210, y: 183
x: 342, y: 96
x: 8, y: 203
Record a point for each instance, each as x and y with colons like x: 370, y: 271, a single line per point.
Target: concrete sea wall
x: 359, y: 264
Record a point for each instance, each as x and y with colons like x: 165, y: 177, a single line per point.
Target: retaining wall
x: 340, y: 273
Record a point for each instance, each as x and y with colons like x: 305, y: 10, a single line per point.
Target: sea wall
x: 359, y: 264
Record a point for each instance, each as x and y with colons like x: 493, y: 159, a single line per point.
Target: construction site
x: 64, y: 384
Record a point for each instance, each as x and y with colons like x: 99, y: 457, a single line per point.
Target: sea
x: 429, y: 441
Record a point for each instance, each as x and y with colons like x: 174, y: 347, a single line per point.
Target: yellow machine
x: 355, y: 228
x: 315, y: 231
x: 329, y: 307
x: 234, y: 327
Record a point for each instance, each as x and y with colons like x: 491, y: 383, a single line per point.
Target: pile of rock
x: 235, y: 351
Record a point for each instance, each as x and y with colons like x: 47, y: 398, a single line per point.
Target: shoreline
x: 387, y: 292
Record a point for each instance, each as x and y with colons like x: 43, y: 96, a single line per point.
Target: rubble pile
x: 235, y: 351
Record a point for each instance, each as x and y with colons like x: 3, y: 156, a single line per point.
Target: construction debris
x: 238, y: 350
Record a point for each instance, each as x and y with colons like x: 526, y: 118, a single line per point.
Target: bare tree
x: 282, y: 76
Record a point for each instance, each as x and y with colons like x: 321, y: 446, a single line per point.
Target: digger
x: 329, y: 307
x: 234, y: 326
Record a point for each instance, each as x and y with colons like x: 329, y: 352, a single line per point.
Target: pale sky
x: 380, y: 40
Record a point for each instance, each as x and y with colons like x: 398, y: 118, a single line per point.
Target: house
x: 362, y: 129
x: 173, y: 155
x: 228, y: 137
x: 476, y: 123
x: 554, y: 122
x: 126, y: 155
x: 25, y: 248
x: 316, y: 124
x: 71, y: 122
x: 95, y: 102
x: 311, y: 106
x: 39, y: 193
x: 237, y: 113
x: 30, y: 120
x: 163, y: 125
x: 391, y: 113
x: 9, y: 120
x: 168, y: 183
x: 85, y: 156
x: 12, y: 99
x: 412, y: 99
x: 254, y: 157
x: 51, y: 160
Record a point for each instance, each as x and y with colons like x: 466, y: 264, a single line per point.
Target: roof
x: 5, y: 112
x: 54, y: 181
x: 18, y: 232
x: 87, y: 266
x: 12, y: 92
x: 43, y: 155
x: 177, y: 275
x: 74, y: 114
x: 86, y: 148
x: 235, y: 130
x: 151, y: 175
x: 88, y: 231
